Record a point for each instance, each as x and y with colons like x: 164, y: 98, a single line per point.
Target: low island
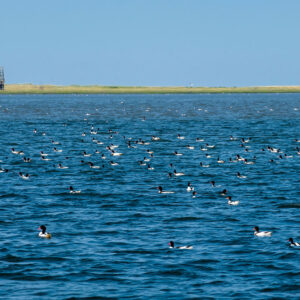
x: 97, y: 89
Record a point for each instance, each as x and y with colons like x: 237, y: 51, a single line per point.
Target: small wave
x: 92, y: 298
x: 108, y: 206
x: 116, y: 222
x: 288, y: 256
x: 12, y: 195
x: 11, y: 258
x: 231, y: 220
x: 290, y: 205
x: 109, y: 232
x: 24, y: 277
x: 204, y: 261
x: 102, y: 277
x: 291, y: 274
x: 287, y: 287
x: 174, y: 272
x: 47, y: 259
x: 134, y: 252
x: 5, y: 222
x: 182, y: 219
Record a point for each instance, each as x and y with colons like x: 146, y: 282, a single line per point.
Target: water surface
x: 111, y: 240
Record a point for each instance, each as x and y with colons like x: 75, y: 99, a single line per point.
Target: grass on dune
x: 96, y: 89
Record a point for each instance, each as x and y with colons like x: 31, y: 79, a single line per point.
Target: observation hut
x: 1, y: 78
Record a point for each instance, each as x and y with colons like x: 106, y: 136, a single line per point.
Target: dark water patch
x: 281, y: 288
x: 92, y: 298
x: 109, y: 205
x: 175, y: 272
x: 291, y: 274
x: 11, y: 258
x: 111, y: 278
x: 182, y: 219
x: 135, y: 252
x: 288, y: 256
x: 289, y: 205
x: 204, y: 261
x: 21, y: 276
x: 12, y: 195
x: 104, y: 232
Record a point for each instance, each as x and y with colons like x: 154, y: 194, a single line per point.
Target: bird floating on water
x: 43, y: 233
x: 24, y: 176
x: 189, y: 187
x: 292, y: 243
x: 161, y: 191
x: 72, y: 191
x: 230, y: 202
x: 261, y: 233
x: 172, y: 246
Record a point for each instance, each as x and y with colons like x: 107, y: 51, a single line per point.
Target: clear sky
x: 151, y: 42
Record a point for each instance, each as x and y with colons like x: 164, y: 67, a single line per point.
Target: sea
x: 111, y: 240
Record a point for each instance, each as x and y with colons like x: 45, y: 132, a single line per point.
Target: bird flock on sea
x: 110, y: 155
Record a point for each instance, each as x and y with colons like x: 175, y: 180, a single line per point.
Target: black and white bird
x: 261, y: 233
x: 43, y: 233
x: 171, y: 244
x: 293, y: 244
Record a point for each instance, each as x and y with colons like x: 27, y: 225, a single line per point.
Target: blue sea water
x: 111, y: 240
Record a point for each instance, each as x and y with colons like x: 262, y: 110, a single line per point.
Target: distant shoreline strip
x: 96, y: 89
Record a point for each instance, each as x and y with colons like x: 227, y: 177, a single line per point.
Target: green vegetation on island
x: 96, y: 89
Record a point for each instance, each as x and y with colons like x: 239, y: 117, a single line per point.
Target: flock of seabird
x: 149, y: 154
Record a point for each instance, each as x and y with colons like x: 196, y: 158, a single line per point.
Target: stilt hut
x: 1, y: 78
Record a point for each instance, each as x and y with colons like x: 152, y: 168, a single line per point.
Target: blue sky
x: 151, y: 42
